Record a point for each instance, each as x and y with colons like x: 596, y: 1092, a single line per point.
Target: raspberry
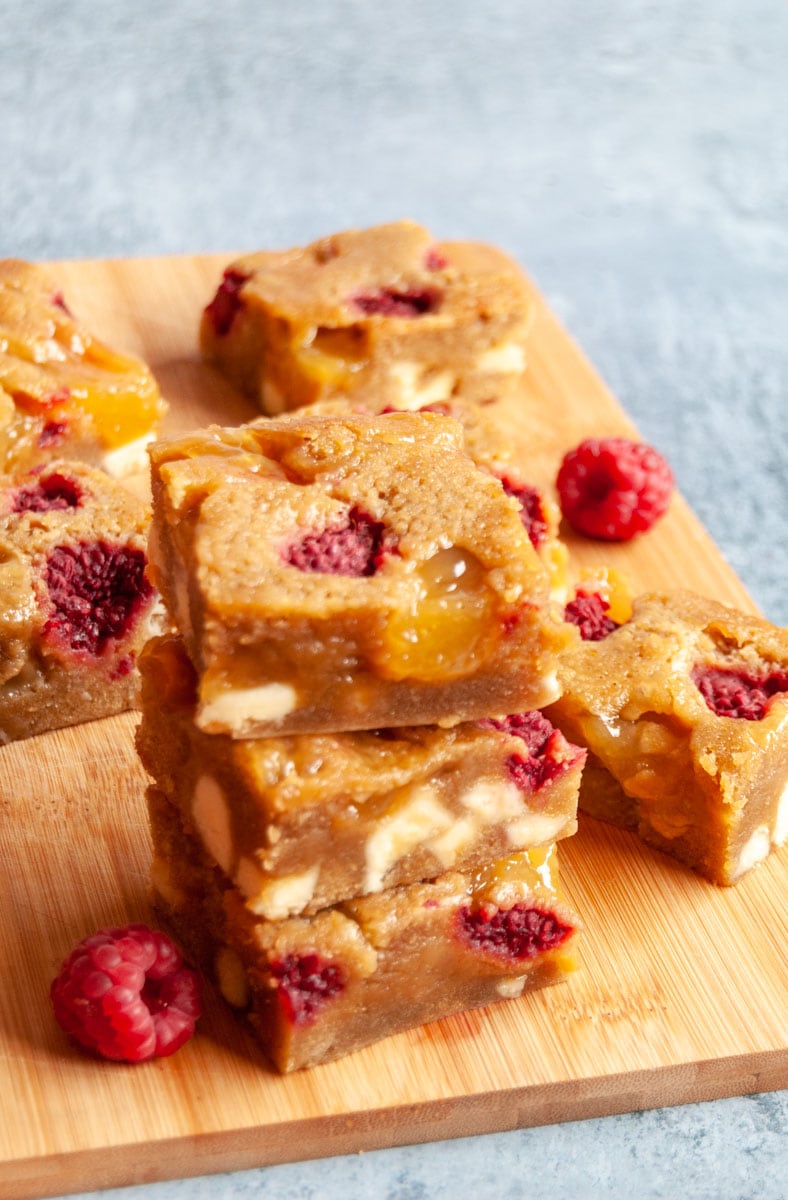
x: 306, y: 984
x: 59, y: 301
x: 53, y: 492
x: 742, y: 694
x: 52, y: 433
x: 399, y: 302
x: 356, y: 548
x: 125, y: 994
x: 612, y: 488
x: 227, y: 302
x: 549, y: 754
x: 588, y: 611
x: 532, y: 512
x: 96, y: 591
x: 520, y: 932
x: 435, y: 260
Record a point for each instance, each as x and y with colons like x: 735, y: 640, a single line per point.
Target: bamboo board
x: 682, y: 994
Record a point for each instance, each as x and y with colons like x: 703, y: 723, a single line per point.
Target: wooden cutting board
x: 682, y: 993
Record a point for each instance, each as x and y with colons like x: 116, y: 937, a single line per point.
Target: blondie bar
x: 383, y: 313
x: 64, y: 393
x: 76, y: 604
x: 684, y: 710
x: 318, y: 987
x: 357, y: 572
x: 301, y: 822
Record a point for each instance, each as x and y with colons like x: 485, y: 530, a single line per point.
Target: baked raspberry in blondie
x: 76, y: 604
x: 64, y: 393
x: 383, y: 313
x: 321, y: 986
x: 302, y: 822
x: 357, y: 572
x: 684, y: 710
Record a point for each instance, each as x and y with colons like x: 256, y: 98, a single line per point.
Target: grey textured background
x: 633, y: 156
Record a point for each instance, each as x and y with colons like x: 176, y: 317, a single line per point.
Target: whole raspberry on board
x: 613, y: 488
x: 125, y: 994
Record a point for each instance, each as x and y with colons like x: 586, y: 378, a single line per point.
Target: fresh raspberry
x: 399, y: 302
x: 520, y: 932
x: 435, y: 259
x: 612, y: 488
x: 356, y: 548
x: 227, y: 302
x: 588, y: 611
x: 737, y: 693
x: 306, y: 984
x: 52, y: 433
x: 97, y: 591
x: 549, y: 754
x: 125, y: 994
x: 532, y: 512
x: 49, y: 493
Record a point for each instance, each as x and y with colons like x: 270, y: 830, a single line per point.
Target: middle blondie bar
x: 356, y: 572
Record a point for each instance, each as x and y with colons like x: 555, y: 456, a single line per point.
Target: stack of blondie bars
x: 356, y: 800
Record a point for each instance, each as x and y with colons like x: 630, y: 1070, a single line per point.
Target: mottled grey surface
x: 634, y: 157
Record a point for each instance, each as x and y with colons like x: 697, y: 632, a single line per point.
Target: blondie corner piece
x: 76, y: 605
x: 302, y: 822
x: 384, y: 313
x: 684, y: 709
x: 358, y: 572
x: 316, y: 988
x: 64, y: 393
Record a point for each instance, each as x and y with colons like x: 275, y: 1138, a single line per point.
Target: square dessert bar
x: 357, y: 572
x: 64, y: 393
x: 318, y: 987
x: 76, y: 604
x: 684, y: 710
x: 301, y: 822
x: 385, y: 312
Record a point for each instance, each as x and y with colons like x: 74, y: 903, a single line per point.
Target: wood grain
x: 682, y: 994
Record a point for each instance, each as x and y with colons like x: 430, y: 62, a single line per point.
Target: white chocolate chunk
x: 448, y: 846
x: 493, y: 803
x: 506, y: 359
x: 780, y: 831
x: 508, y: 989
x: 280, y: 898
x: 212, y: 817
x: 755, y: 850
x: 409, y: 826
x: 238, y: 707
x: 534, y: 829
x: 412, y: 392
x: 125, y: 460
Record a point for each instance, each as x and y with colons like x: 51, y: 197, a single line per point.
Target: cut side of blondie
x: 76, y: 604
x: 302, y: 822
x: 384, y: 313
x: 64, y: 393
x: 684, y: 709
x: 356, y: 572
x: 315, y: 988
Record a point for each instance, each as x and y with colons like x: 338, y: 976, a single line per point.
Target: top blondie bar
x: 385, y: 313
x: 356, y: 572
